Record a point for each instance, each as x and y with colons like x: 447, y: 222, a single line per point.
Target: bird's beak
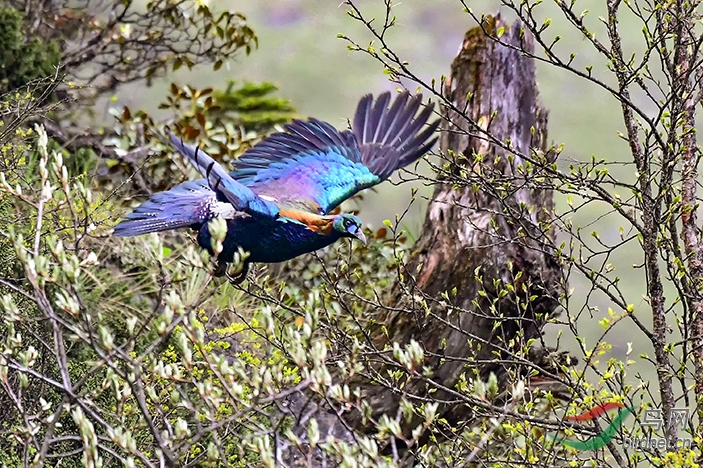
x: 360, y: 235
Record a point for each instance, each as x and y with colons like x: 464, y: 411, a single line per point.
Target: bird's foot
x: 220, y: 269
x: 239, y: 277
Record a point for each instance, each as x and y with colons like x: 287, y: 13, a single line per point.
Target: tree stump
x: 483, y: 277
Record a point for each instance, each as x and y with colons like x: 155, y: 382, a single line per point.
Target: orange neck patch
x: 316, y: 223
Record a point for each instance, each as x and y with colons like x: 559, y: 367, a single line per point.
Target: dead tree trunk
x: 483, y: 278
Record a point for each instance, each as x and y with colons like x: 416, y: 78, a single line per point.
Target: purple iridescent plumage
x: 277, y: 199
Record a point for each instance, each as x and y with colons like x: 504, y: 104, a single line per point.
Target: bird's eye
x: 347, y: 223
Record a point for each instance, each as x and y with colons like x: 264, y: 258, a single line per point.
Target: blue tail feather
x: 184, y: 205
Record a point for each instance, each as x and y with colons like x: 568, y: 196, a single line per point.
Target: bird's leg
x: 241, y: 276
x: 220, y: 269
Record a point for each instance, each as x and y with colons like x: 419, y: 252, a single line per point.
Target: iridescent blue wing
x: 241, y: 197
x: 314, y: 166
x: 193, y: 203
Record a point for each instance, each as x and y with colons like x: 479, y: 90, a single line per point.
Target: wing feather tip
x: 397, y: 127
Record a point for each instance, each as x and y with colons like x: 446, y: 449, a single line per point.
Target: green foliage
x: 226, y: 120
x: 128, y: 352
x: 157, y: 355
x: 225, y: 123
x: 7, y: 256
x: 252, y: 106
x: 23, y: 59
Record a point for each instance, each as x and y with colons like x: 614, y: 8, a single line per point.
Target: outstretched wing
x: 314, y: 166
x: 195, y: 202
x: 242, y: 198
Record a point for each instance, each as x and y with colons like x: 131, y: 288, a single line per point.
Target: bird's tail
x: 184, y: 205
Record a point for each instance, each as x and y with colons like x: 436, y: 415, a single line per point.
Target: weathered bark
x: 473, y: 238
x: 690, y: 230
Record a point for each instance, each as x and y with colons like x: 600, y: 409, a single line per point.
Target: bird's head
x: 349, y: 225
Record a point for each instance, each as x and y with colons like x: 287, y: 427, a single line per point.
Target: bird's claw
x: 220, y: 269
x: 240, y: 276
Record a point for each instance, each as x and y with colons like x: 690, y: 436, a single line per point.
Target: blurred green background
x: 299, y: 51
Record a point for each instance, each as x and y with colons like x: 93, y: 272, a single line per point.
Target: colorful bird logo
x: 605, y: 436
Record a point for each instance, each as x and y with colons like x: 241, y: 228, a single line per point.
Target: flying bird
x: 277, y: 200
